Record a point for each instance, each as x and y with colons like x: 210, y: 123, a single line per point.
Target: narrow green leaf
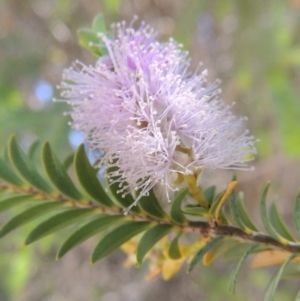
x: 27, y: 216
x: 13, y: 201
x: 57, y: 174
x: 114, y: 239
x: 57, y: 222
x: 68, y: 162
x: 150, y: 238
x: 5, y: 155
x: 8, y: 175
x: 244, y: 216
x: 98, y: 24
x: 202, y: 252
x: 275, y: 280
x: 237, y: 269
x: 176, y: 213
x: 209, y: 193
x: 125, y: 200
x: 215, y: 203
x: 87, y: 176
x: 296, y: 213
x: 195, y: 210
x: 263, y: 212
x: 234, y: 210
x: 150, y: 205
x: 88, y: 230
x: 33, y: 149
x: 25, y: 167
x: 292, y: 271
x: 237, y: 251
x: 278, y: 224
x: 174, y: 251
x: 219, y: 249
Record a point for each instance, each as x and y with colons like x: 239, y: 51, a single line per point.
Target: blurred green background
x: 252, y: 46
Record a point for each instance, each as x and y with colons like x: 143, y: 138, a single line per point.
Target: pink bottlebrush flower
x: 149, y: 117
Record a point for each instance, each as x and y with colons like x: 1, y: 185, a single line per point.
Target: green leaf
x: 8, y: 175
x: 219, y: 249
x: 150, y: 205
x: 88, y: 230
x: 88, y: 39
x: 215, y: 203
x: 278, y: 224
x: 275, y: 280
x: 195, y: 210
x: 98, y: 24
x: 33, y: 148
x: 234, y: 210
x: 114, y: 239
x: 28, y: 215
x: 237, y: 251
x: 87, y: 176
x: 125, y: 200
x: 150, y: 238
x: 25, y: 167
x: 176, y: 213
x: 12, y: 201
x: 174, y: 251
x: 202, y: 252
x: 237, y: 269
x: 209, y: 193
x: 244, y: 216
x: 296, y: 213
x: 263, y: 212
x: 58, y: 175
x: 57, y: 222
x: 68, y: 161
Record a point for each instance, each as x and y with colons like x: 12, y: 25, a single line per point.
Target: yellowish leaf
x: 129, y: 247
x: 272, y: 257
x: 171, y: 267
x: 154, y: 271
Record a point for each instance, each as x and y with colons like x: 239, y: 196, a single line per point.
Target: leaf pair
x: 89, y: 39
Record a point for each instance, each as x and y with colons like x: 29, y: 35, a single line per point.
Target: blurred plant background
x: 253, y: 46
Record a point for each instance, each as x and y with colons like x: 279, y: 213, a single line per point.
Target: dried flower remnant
x: 152, y: 120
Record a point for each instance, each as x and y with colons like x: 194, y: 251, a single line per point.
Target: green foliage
x: 149, y: 239
x: 199, y: 255
x: 236, y: 271
x: 118, y: 236
x: 11, y: 201
x: 87, y: 176
x: 89, y: 38
x: 8, y: 175
x: 275, y: 280
x: 150, y: 205
x: 174, y: 251
x: 278, y: 223
x: 97, y: 209
x: 25, y: 167
x: 123, y: 199
x: 57, y: 222
x: 57, y: 174
x: 88, y: 230
x: 28, y: 215
x: 176, y: 213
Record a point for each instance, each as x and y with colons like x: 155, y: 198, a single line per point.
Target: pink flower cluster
x: 148, y: 116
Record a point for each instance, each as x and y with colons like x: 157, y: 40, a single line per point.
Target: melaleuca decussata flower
x: 151, y: 119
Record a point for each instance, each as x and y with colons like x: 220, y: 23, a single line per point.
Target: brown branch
x: 208, y: 229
